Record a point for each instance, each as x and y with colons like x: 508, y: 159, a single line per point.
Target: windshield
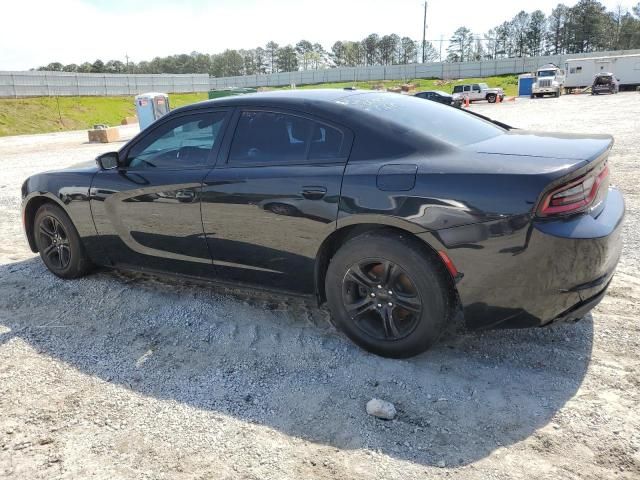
x: 443, y: 122
x: 547, y: 73
x: 484, y: 86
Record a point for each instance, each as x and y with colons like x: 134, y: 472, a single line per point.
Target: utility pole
x: 441, y: 40
x: 126, y: 56
x: 424, y: 32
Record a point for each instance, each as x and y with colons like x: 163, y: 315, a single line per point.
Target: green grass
x: 509, y: 83
x: 50, y: 114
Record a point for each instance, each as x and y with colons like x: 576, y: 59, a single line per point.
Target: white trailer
x: 580, y: 72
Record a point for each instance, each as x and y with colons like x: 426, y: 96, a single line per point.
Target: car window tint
x: 429, y: 118
x: 326, y: 142
x: 457, y: 89
x: 268, y: 137
x: 181, y: 143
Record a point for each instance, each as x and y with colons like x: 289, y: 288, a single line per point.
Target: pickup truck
x: 477, y: 91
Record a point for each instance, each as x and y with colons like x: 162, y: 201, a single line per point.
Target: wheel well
x: 338, y: 238
x: 29, y: 216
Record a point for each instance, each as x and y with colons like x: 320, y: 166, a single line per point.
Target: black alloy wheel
x: 388, y: 293
x: 59, y: 244
x: 55, y: 240
x: 381, y: 299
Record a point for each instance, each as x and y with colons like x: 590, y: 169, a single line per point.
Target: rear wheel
x: 387, y: 295
x: 59, y: 244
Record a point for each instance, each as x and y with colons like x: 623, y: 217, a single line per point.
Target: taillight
x: 575, y: 195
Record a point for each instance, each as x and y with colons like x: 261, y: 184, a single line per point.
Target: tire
x: 491, y: 98
x: 557, y: 94
x: 532, y: 96
x: 354, y: 279
x: 59, y: 244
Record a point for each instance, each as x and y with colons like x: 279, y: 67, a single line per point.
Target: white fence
x: 443, y: 70
x: 40, y: 84
x: 36, y: 84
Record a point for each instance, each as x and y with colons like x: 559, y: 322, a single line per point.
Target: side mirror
x: 108, y: 161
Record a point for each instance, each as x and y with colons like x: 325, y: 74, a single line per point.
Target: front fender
x: 69, y: 191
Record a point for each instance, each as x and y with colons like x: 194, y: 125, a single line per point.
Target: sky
x: 75, y: 31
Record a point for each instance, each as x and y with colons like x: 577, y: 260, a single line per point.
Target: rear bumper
x: 519, y: 272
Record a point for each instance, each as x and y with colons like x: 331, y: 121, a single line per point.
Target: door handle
x: 313, y: 193
x: 185, y: 196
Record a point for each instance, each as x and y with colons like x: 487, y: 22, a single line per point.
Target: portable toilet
x: 525, y: 84
x: 150, y: 107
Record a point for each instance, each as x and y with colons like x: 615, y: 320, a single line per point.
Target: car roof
x: 282, y: 97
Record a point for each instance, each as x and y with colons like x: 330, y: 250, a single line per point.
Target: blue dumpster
x: 150, y: 107
x: 525, y: 84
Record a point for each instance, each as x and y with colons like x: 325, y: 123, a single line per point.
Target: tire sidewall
x: 427, y: 279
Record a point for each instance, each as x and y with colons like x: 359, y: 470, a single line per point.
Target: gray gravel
x: 131, y: 376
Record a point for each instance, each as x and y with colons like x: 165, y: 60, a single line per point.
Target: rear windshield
x: 439, y: 121
x: 603, y: 80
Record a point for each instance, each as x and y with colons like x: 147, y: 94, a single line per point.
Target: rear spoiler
x: 495, y: 122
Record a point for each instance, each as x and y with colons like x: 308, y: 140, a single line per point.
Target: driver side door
x: 147, y: 211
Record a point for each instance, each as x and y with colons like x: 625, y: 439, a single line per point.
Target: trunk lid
x: 581, y: 148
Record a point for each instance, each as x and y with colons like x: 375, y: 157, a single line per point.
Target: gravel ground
x: 120, y: 376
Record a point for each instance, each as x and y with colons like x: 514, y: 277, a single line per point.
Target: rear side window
x: 326, y: 142
x: 457, y: 89
x: 275, y: 138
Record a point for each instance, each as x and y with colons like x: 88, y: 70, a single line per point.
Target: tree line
x: 586, y: 27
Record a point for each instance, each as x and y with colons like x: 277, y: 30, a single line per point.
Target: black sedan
x: 397, y: 212
x: 440, y: 97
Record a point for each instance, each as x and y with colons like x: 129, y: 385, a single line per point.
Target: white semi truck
x: 549, y: 81
x: 582, y: 71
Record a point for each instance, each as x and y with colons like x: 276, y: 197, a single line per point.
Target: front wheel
x: 387, y: 295
x: 491, y: 98
x: 59, y: 244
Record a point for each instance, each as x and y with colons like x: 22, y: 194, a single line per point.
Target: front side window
x: 457, y: 89
x: 181, y: 143
x: 276, y: 138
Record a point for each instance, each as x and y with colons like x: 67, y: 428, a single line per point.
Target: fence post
x: 13, y: 84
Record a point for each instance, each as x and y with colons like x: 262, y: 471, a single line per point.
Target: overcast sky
x: 37, y: 32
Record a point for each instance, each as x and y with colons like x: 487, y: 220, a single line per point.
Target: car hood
x: 87, y: 166
x: 545, y: 145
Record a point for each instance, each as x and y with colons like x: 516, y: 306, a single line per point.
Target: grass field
x: 51, y: 114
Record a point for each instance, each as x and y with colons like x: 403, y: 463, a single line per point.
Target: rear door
x: 147, y: 212
x: 273, y: 197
